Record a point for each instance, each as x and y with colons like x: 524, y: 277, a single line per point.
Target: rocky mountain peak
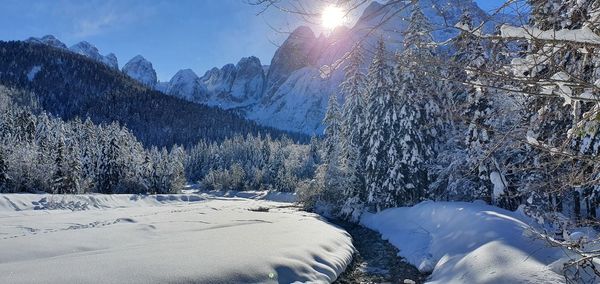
x: 141, y: 70
x: 48, y: 40
x: 89, y: 50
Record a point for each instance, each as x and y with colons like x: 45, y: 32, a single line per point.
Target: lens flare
x: 332, y: 17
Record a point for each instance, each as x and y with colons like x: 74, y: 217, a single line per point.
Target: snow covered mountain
x: 291, y: 94
x: 230, y: 87
x: 83, y: 48
x: 87, y: 49
x: 186, y: 85
x: 141, y: 70
x: 47, y: 40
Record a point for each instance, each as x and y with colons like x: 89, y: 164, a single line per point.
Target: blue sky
x: 172, y: 34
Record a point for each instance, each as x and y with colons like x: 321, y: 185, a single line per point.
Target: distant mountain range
x: 74, y: 85
x: 291, y: 93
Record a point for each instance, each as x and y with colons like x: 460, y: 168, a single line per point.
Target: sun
x: 332, y: 17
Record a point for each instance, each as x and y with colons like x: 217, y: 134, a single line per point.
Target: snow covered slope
x: 165, y: 239
x: 469, y: 243
x: 141, y: 70
x: 294, y: 95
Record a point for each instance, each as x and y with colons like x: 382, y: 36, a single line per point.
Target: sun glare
x: 332, y: 17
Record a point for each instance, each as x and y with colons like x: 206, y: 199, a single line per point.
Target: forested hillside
x: 69, y: 85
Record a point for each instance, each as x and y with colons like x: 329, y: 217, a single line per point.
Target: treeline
x: 40, y: 153
x: 252, y: 163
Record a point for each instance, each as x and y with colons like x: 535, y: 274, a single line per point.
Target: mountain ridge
x: 69, y: 85
x: 291, y: 93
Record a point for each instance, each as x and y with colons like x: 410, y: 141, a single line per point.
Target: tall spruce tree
x: 177, y: 176
x: 471, y: 56
x: 411, y: 144
x: 333, y: 127
x: 417, y: 36
x: 110, y: 172
x: 60, y: 175
x: 73, y: 168
x: 330, y: 174
x: 419, y: 57
x: 4, y: 178
x: 380, y: 119
x: 353, y: 126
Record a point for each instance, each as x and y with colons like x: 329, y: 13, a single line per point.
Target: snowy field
x: 469, y: 243
x: 185, y: 238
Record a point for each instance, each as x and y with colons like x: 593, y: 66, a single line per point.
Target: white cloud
x: 89, y: 18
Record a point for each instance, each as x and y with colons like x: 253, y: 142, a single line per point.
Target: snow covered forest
x: 510, y: 118
x: 503, y: 120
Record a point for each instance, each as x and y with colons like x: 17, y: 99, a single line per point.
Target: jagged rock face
x: 219, y: 81
x: 141, y: 70
x: 292, y: 55
x: 87, y: 49
x: 249, y: 80
x: 232, y: 86
x: 111, y: 61
x: 293, y: 94
x: 186, y: 85
x: 48, y: 40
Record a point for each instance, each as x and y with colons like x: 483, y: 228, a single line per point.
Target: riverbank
x: 375, y: 260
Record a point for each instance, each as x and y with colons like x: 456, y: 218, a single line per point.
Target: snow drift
x: 468, y: 243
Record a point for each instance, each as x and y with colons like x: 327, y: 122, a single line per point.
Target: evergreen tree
x: 419, y: 58
x: 353, y: 132
x: 73, y: 169
x: 412, y: 145
x: 178, y: 179
x: 471, y: 56
x: 547, y: 119
x: 333, y: 127
x: 60, y: 176
x: 110, y: 172
x: 329, y: 173
x: 4, y: 178
x: 380, y: 119
x: 469, y: 53
x: 417, y: 35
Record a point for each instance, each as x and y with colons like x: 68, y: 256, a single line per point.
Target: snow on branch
x: 581, y: 36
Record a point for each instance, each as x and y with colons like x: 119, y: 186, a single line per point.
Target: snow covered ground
x: 468, y: 243
x: 166, y: 238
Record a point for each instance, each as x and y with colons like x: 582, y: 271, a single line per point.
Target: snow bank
x: 165, y: 239
x: 24, y: 202
x: 287, y: 197
x: 468, y: 243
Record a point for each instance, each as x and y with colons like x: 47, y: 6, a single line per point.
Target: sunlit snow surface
x: 165, y: 239
x: 469, y: 243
